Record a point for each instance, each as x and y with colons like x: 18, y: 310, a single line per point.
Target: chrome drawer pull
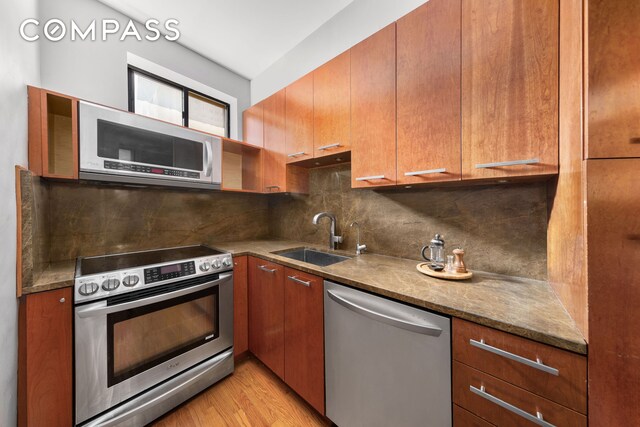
x: 533, y: 363
x: 301, y: 153
x: 511, y: 163
x: 326, y: 147
x: 302, y: 282
x: 427, y: 172
x: 536, y: 419
x: 369, y: 178
x: 268, y: 270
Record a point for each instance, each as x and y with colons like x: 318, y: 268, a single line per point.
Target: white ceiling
x: 246, y: 36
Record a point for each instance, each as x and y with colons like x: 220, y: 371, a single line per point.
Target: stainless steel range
x: 152, y: 329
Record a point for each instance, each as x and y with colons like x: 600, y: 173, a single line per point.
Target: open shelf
x: 241, y: 167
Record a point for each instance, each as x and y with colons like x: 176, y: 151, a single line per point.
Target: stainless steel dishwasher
x: 386, y: 363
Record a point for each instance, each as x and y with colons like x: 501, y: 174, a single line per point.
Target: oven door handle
x: 101, y: 308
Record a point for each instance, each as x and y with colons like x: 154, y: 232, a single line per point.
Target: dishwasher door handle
x: 409, y: 325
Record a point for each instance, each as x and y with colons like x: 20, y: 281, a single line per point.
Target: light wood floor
x: 252, y: 396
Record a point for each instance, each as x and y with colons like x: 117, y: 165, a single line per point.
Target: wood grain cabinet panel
x: 373, y: 110
x: 240, y: 306
x: 465, y: 377
x: 45, y: 371
x: 252, y: 125
x: 304, y: 336
x: 614, y: 86
x: 274, y: 155
x: 299, y: 119
x: 464, y: 418
x: 266, y: 313
x: 428, y: 91
x: 568, y: 388
x: 613, y: 235
x: 509, y: 87
x: 331, y: 106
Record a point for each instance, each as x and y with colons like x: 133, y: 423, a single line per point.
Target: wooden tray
x: 423, y: 268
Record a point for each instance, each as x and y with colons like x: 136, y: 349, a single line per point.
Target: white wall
x: 97, y: 71
x: 19, y: 66
x: 353, y: 24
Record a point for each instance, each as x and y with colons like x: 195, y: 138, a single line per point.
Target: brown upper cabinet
x: 373, y: 110
x: 331, y: 106
x: 274, y: 156
x: 53, y: 134
x: 614, y: 87
x: 252, y: 125
x: 299, y: 119
x: 428, y: 91
x: 509, y: 88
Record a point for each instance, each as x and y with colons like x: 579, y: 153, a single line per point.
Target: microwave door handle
x: 208, y: 160
x: 102, y: 308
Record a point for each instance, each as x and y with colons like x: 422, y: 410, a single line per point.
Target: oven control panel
x: 88, y: 288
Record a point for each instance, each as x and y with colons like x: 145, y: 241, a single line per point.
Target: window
x: 161, y: 99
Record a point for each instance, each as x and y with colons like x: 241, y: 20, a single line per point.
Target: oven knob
x: 130, y: 281
x: 110, y: 284
x: 226, y: 262
x: 205, y: 266
x: 88, y: 288
x: 216, y: 264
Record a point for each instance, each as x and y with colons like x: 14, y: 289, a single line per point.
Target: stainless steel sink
x: 313, y: 256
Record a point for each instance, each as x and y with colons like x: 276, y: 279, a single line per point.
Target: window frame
x: 185, y: 97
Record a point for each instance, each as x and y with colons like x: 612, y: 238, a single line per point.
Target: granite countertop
x: 524, y: 307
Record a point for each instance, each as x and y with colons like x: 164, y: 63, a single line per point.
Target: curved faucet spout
x: 333, y: 239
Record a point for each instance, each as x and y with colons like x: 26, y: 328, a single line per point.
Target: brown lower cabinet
x: 286, y: 326
x: 240, y: 306
x: 45, y: 376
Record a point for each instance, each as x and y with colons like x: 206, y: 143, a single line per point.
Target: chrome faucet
x: 333, y: 239
x: 359, y: 248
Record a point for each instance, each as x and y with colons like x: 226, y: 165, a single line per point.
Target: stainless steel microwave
x: 118, y: 146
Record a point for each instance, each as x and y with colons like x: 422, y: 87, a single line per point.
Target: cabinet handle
x: 427, y: 172
x: 62, y: 300
x: 510, y: 163
x: 268, y: 270
x: 537, y: 364
x: 302, y: 282
x: 369, y: 178
x: 326, y: 147
x: 536, y: 419
x: 301, y: 153
x: 270, y: 187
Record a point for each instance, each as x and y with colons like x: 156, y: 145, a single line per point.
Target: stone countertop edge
x: 562, y: 333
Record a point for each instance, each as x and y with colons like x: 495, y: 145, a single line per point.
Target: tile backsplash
x: 503, y: 228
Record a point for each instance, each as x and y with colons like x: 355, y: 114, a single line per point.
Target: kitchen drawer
x: 492, y: 395
x: 568, y: 387
x: 464, y: 418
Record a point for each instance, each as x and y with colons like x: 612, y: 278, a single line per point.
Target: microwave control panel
x: 109, y: 164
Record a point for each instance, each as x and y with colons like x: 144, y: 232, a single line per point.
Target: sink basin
x: 313, y: 256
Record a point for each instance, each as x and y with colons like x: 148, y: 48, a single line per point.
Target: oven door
x: 124, y: 147
x: 128, y: 343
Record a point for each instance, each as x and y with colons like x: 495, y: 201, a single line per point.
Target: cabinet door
x: 266, y: 313
x: 304, y: 336
x: 614, y: 86
x: 428, y: 73
x: 509, y: 88
x: 45, y: 394
x: 252, y: 126
x: 275, y: 159
x: 331, y: 106
x: 373, y: 110
x: 613, y: 234
x: 299, y: 122
x: 240, y: 306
